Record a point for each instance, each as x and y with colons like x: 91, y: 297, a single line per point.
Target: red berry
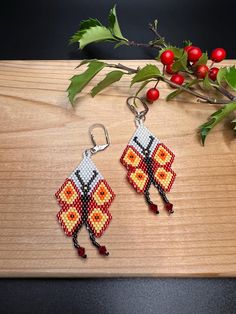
x: 177, y: 79
x: 201, y: 71
x: 187, y: 48
x: 194, y: 54
x: 213, y: 73
x: 152, y: 94
x: 169, y: 69
x: 167, y: 57
x: 218, y: 54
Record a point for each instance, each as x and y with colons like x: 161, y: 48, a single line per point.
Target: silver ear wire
x: 139, y: 115
x: 97, y: 148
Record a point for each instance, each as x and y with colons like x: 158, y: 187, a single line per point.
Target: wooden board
x: 41, y: 141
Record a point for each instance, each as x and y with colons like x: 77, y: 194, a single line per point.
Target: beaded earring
x: 84, y: 198
x: 148, y: 161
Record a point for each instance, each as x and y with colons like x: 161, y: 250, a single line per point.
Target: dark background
x: 40, y: 30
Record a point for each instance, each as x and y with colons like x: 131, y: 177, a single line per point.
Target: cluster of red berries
x: 200, y: 70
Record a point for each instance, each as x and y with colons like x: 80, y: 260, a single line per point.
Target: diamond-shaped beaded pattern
x: 85, y: 197
x: 148, y: 160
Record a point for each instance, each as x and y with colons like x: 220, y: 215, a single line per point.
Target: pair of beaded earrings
x: 85, y: 196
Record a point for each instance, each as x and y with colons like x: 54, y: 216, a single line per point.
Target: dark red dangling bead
x: 169, y: 207
x: 81, y: 252
x: 102, y: 250
x: 154, y: 208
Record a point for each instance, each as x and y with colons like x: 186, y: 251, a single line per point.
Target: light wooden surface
x: 41, y: 142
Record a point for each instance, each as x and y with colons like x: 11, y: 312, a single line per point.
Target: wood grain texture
x: 41, y: 141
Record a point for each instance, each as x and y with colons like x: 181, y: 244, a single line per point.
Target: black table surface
x: 40, y: 30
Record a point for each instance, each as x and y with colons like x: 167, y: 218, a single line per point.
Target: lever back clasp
x: 97, y: 148
x: 139, y: 115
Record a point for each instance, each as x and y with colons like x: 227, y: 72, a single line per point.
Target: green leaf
x: 221, y: 75
x: 202, y: 60
x: 143, y: 85
x: 206, y: 83
x: 230, y: 77
x: 109, y: 79
x: 147, y: 72
x: 179, y: 91
x: 187, y: 43
x: 85, y: 61
x: 114, y: 25
x: 121, y: 43
x: 91, y: 22
x: 95, y: 34
x: 181, y: 63
x: 84, y: 25
x: 215, y: 118
x: 78, y: 82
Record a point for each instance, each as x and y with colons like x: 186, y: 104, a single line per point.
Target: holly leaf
x: 114, y: 25
x: 78, y: 82
x: 147, y: 72
x: 84, y: 26
x: 95, y: 34
x: 187, y: 43
x: 85, y: 61
x: 91, y: 31
x: 181, y: 63
x: 206, y: 83
x: 202, y: 60
x: 215, y: 118
x: 109, y: 79
x: 179, y: 91
x: 221, y: 75
x: 230, y: 77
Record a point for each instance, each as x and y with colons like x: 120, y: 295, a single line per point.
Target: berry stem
x: 164, y: 79
x: 198, y: 95
x: 135, y: 44
x: 225, y: 92
x: 158, y: 36
x: 211, y: 65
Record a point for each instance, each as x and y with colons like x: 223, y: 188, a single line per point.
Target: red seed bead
x: 167, y: 57
x: 169, y: 207
x: 169, y: 69
x: 81, y: 252
x: 177, y: 79
x: 153, y: 208
x: 201, y: 71
x: 213, y: 73
x: 102, y: 250
x: 218, y: 54
x: 152, y: 94
x: 194, y: 54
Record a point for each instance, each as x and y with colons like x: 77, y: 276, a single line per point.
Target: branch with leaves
x: 183, y: 68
